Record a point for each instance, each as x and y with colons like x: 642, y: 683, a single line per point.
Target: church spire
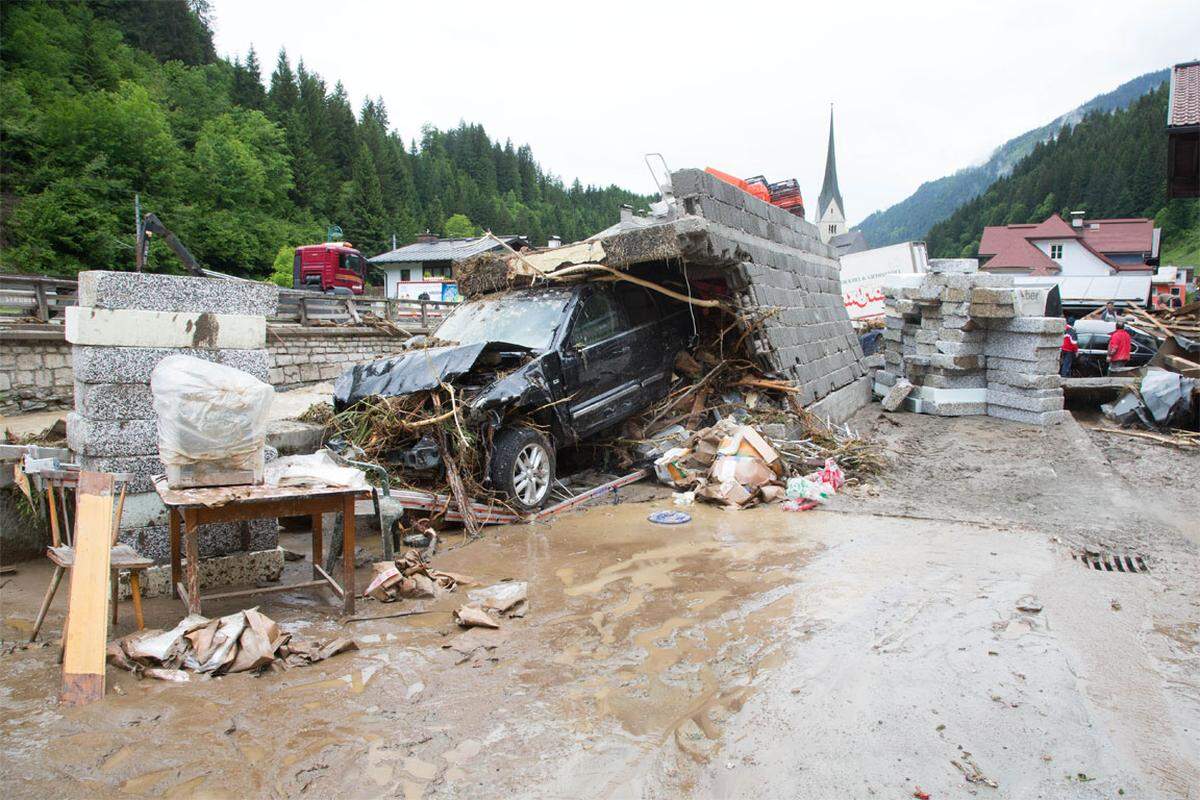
x: 829, y: 188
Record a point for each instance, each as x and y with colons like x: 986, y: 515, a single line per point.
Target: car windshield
x: 529, y: 320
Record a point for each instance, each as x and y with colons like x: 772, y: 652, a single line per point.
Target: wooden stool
x: 62, y: 553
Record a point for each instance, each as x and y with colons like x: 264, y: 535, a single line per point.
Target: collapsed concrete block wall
x: 971, y: 343
x: 125, y: 324
x: 782, y: 268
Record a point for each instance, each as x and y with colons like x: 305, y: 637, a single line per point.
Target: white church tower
x: 831, y: 214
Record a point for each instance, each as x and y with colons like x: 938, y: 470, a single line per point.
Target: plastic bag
x: 809, y: 488
x: 832, y: 474
x: 209, y: 413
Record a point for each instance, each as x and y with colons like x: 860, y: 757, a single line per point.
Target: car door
x: 597, y: 384
x: 647, y: 362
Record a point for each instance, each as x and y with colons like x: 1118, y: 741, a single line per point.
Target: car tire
x: 523, y: 467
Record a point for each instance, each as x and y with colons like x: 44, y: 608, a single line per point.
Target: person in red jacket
x: 1069, y: 348
x: 1119, y: 345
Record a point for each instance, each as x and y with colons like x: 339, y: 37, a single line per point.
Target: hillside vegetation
x: 101, y: 100
x: 934, y: 201
x: 1109, y: 165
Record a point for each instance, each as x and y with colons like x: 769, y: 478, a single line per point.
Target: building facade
x: 424, y: 270
x: 1081, y: 247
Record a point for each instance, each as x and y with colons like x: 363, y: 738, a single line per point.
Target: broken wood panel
x: 86, y: 633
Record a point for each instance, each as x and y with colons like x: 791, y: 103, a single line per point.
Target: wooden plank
x: 87, y: 609
x: 265, y: 590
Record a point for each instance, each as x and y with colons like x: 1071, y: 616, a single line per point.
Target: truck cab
x: 332, y: 267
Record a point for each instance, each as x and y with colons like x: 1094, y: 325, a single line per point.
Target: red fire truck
x: 332, y: 267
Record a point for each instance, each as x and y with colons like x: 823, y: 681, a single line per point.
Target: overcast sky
x: 920, y: 88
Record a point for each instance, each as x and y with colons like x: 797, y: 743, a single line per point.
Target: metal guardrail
x: 38, y: 297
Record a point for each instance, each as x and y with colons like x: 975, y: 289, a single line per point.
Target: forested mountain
x: 932, y: 202
x: 101, y: 100
x: 1109, y: 165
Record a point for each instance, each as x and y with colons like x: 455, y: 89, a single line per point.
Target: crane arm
x: 153, y: 226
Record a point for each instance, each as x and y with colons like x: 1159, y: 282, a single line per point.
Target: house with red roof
x: 1183, y: 131
x: 1079, y: 247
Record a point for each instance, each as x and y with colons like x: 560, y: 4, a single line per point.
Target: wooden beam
x: 87, y: 609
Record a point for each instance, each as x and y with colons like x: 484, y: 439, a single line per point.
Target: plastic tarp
x: 209, y: 412
x: 1166, y: 394
x: 414, y: 371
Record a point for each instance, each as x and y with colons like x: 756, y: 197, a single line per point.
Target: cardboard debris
x: 502, y: 596
x: 248, y: 641
x: 409, y: 576
x: 472, y: 615
x: 735, y: 465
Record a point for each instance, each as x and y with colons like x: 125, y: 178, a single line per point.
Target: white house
x: 1082, y: 247
x: 424, y: 270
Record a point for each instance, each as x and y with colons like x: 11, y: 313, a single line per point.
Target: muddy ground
x: 862, y: 650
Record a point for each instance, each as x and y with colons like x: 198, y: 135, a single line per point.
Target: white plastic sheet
x: 209, y: 412
x: 315, y: 469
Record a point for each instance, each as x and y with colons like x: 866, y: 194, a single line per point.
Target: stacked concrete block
x: 784, y: 272
x: 971, y: 343
x: 125, y: 324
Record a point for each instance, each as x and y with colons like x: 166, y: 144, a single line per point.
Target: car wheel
x: 523, y: 466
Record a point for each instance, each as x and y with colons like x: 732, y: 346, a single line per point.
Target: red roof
x: 1184, y: 108
x: 1054, y: 227
x: 1120, y: 235
x: 1012, y: 247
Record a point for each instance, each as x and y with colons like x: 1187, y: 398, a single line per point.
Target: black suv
x: 537, y: 369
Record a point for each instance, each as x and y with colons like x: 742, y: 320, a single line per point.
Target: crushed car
x: 531, y: 371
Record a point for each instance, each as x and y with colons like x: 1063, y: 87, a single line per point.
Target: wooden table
x: 191, y: 508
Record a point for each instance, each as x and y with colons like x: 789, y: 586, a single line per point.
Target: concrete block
x: 143, y: 509
x: 1024, y: 380
x: 1035, y: 324
x: 1028, y: 417
x: 150, y: 292
x: 983, y: 295
x: 128, y: 328
x: 896, y: 394
x: 1047, y: 365
x: 236, y: 569
x: 133, y: 437
x: 112, y: 401
x: 1025, y: 402
x: 955, y: 380
x: 134, y: 364
x: 960, y: 348
x: 990, y: 311
x: 292, y: 437
x: 215, y: 540
x: 838, y: 406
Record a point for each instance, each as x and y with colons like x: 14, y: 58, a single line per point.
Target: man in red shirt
x: 1119, y: 345
x: 1069, y: 348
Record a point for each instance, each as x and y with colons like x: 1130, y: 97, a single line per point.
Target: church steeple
x: 831, y: 213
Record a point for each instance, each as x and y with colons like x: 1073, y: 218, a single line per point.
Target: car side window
x: 637, y: 302
x: 598, y: 320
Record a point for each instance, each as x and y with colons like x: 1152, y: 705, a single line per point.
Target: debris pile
x: 248, y: 641
x: 958, y: 344
x: 1163, y: 400
x: 733, y: 464
x: 409, y: 576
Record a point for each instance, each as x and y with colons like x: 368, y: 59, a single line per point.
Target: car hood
x: 411, y: 371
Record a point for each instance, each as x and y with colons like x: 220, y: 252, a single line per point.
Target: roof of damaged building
x: 445, y: 249
x: 1183, y: 107
x: 774, y: 264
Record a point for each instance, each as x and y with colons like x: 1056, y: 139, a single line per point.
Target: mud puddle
x: 637, y: 635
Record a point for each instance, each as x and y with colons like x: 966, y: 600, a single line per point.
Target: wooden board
x: 86, y: 627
